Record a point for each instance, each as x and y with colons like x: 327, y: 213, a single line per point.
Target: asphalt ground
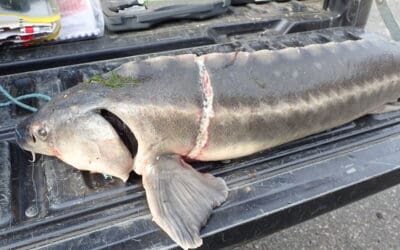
x: 371, y: 223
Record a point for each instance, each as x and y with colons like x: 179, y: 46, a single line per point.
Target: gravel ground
x: 372, y: 223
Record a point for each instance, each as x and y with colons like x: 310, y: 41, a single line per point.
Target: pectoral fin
x: 181, y: 199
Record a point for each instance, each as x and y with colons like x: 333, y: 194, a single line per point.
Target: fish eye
x: 42, y: 132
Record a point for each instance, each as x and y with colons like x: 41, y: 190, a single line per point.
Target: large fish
x: 171, y: 110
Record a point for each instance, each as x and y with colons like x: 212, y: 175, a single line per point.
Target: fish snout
x: 23, y: 133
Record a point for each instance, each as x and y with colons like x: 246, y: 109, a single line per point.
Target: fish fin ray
x: 181, y: 199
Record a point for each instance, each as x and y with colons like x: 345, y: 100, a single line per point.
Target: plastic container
x: 25, y: 22
x: 80, y: 19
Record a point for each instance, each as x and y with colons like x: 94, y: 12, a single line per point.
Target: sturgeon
x: 218, y: 106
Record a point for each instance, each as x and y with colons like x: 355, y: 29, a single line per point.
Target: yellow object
x: 50, y: 37
x: 24, y: 27
x: 47, y: 19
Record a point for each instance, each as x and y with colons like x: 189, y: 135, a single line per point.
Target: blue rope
x: 16, y: 100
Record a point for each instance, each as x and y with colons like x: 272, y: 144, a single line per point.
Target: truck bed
x: 48, y: 204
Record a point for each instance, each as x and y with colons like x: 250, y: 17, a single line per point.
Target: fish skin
x: 303, y: 94
x: 307, y: 90
x: 258, y: 100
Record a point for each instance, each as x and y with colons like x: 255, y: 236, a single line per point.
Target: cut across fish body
x: 216, y: 107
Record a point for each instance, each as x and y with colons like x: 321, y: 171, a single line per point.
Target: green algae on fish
x: 114, y: 81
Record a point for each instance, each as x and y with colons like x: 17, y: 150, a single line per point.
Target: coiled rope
x: 16, y: 100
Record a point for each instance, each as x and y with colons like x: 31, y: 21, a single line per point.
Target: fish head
x: 78, y: 133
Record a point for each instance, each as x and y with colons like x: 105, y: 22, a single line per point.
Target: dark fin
x: 181, y: 199
x: 389, y: 107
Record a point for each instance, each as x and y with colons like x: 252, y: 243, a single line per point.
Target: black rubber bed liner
x: 48, y: 204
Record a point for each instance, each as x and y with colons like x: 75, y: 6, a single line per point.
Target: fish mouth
x: 123, y: 131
